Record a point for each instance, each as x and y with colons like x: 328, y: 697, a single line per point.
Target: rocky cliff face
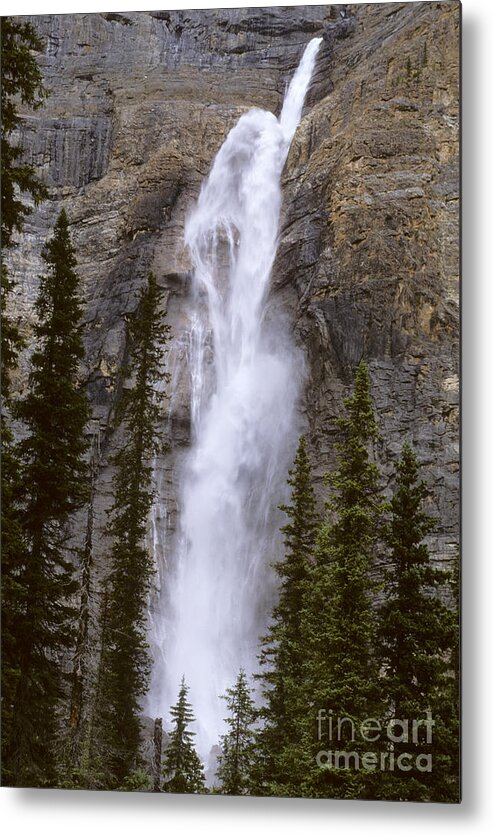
x: 368, y: 258
x: 370, y: 237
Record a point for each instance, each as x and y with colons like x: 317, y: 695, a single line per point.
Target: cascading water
x: 244, y: 380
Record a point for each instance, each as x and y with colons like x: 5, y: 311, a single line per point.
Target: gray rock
x: 368, y: 259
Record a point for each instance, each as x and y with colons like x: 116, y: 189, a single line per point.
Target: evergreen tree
x: 237, y: 745
x: 12, y: 344
x: 339, y: 618
x: 282, y: 654
x: 137, y: 781
x: 455, y: 585
x: 416, y: 639
x: 13, y: 592
x: 54, y: 485
x: 84, y: 674
x: 21, y: 79
x: 183, y: 770
x: 125, y: 662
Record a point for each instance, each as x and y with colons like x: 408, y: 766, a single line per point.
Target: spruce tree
x: 83, y: 674
x: 21, y: 80
x: 13, y: 592
x: 183, y: 771
x: 53, y: 485
x: 125, y: 663
x: 237, y: 745
x: 416, y: 642
x: 339, y: 617
x: 282, y: 651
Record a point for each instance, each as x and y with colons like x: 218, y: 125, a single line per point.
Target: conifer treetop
x: 22, y: 81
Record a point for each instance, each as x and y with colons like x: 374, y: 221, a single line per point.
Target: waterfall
x: 244, y: 379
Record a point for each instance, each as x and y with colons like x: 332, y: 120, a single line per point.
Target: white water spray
x: 244, y: 379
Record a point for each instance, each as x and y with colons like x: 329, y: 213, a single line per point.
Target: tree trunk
x: 158, y: 743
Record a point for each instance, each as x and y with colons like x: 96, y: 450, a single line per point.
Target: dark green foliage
x: 21, y: 81
x: 283, y: 654
x: 83, y: 678
x: 12, y: 342
x: 183, y: 771
x: 416, y: 637
x: 339, y: 617
x: 237, y: 745
x: 53, y: 484
x: 13, y: 592
x: 299, y: 541
x: 56, y: 410
x: 360, y: 657
x: 124, y: 660
x: 409, y: 618
x: 455, y: 585
x: 136, y: 781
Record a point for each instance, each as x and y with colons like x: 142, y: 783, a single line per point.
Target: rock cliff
x: 368, y: 257
x: 370, y: 236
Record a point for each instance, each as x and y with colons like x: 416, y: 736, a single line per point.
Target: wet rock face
x: 139, y: 104
x: 368, y: 261
x: 370, y: 237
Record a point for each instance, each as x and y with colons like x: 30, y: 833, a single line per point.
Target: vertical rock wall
x: 368, y: 258
x: 370, y: 238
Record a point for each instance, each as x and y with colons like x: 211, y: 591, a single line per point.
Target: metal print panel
x: 230, y: 534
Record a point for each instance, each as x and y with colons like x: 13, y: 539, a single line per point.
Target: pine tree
x: 339, y: 618
x: 416, y: 641
x: 125, y: 664
x: 183, y: 770
x: 237, y: 745
x: 282, y: 653
x: 54, y: 485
